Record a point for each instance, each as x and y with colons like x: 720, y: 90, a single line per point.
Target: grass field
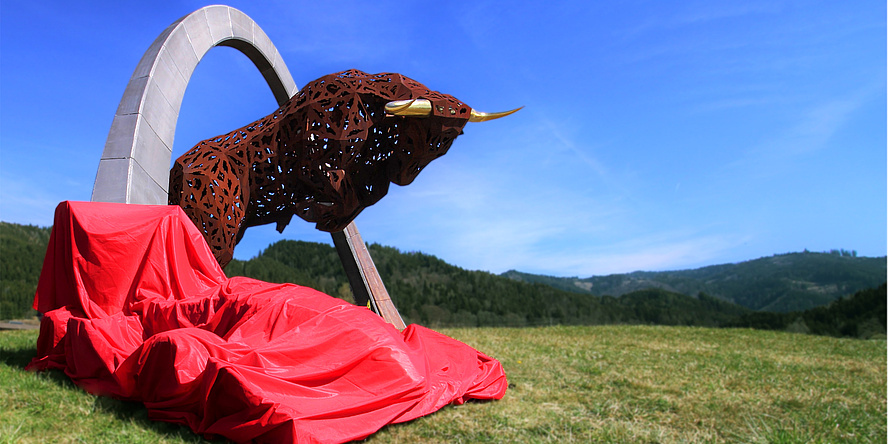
x: 567, y: 384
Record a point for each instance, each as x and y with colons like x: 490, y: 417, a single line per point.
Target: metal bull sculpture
x: 325, y: 155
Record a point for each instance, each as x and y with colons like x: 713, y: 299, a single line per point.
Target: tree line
x: 22, y: 248
x: 431, y: 292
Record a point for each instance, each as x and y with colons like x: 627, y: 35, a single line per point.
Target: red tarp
x: 137, y: 308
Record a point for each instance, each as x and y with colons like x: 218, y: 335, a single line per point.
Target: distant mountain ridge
x: 779, y: 283
x: 434, y: 293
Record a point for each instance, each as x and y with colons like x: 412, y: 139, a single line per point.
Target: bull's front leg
x: 206, y: 183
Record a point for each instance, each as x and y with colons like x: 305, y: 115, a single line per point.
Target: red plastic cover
x: 136, y: 307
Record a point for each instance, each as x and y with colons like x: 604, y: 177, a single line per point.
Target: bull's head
x: 325, y: 155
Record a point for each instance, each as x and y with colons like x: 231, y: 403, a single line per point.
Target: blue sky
x: 655, y: 135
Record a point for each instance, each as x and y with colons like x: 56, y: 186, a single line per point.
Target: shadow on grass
x: 17, y: 357
x: 125, y: 411
x: 136, y: 413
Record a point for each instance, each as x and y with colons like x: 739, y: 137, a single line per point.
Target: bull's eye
x: 440, y: 108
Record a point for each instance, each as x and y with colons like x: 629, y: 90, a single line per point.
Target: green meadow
x: 649, y: 384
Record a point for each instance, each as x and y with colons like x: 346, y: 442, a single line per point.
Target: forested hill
x: 780, y: 283
x: 431, y: 292
x: 22, y: 248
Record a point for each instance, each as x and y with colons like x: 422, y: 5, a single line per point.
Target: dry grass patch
x: 567, y: 384
x: 663, y: 384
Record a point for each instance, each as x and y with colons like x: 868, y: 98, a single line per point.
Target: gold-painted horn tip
x: 483, y: 117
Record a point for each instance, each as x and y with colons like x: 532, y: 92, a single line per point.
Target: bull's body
x: 325, y: 155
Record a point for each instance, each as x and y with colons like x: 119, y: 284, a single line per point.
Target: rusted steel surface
x: 325, y: 155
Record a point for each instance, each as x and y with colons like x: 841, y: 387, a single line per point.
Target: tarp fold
x: 136, y: 307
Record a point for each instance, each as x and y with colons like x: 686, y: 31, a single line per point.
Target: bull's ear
x: 415, y: 107
x: 482, y: 117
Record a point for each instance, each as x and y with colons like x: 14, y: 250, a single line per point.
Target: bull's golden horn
x: 415, y: 107
x: 423, y: 108
x: 482, y: 117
